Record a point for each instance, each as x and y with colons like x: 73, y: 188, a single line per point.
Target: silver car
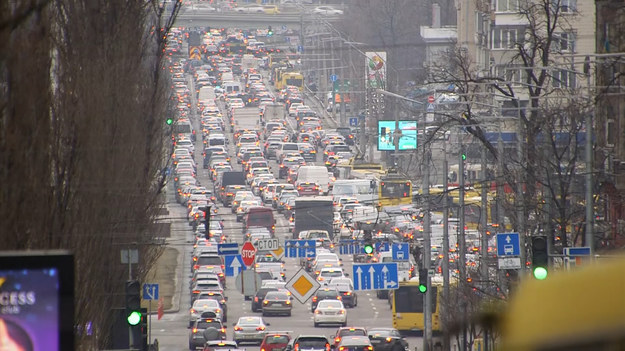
x: 250, y: 329
x: 277, y: 302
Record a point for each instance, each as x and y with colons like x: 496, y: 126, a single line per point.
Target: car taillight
x: 370, y: 348
x: 260, y: 328
x: 288, y: 302
x: 342, y: 348
x: 255, y: 298
x: 196, y: 266
x: 265, y: 302
x: 223, y: 330
x: 337, y: 340
x: 315, y: 298
x: 221, y: 274
x: 218, y: 311
x: 237, y: 328
x: 194, y: 330
x: 389, y: 339
x: 339, y: 298
x: 348, y: 293
x: 192, y: 310
x: 342, y: 312
x: 317, y: 312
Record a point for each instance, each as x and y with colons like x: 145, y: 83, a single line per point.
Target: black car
x: 347, y: 134
x: 197, y: 336
x: 257, y: 301
x: 348, y: 295
x: 309, y: 343
x: 387, y: 339
x: 324, y: 294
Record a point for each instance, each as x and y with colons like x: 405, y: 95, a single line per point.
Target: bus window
x: 408, y: 299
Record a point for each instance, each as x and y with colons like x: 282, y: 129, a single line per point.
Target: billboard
x: 406, y: 136
x: 36, y: 301
x: 375, y: 62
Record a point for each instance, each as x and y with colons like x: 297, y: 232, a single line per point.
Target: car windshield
x: 205, y: 303
x: 352, y: 331
x: 277, y: 339
x: 249, y: 321
x: 326, y: 293
x: 205, y: 324
x: 312, y: 343
x: 330, y: 304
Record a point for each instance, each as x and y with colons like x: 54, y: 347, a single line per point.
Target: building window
x: 564, y: 42
x: 610, y: 133
x: 507, y: 37
x: 507, y: 5
x: 566, y: 6
x: 563, y: 78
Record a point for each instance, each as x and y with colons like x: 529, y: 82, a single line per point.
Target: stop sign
x: 248, y: 253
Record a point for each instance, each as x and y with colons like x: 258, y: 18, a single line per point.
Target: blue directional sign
x: 333, y: 77
x: 508, y: 244
x: 150, y: 291
x: 234, y: 265
x: 375, y: 276
x: 381, y: 246
x: 300, y: 48
x: 353, y: 121
x: 400, y: 251
x: 228, y: 249
x: 351, y: 247
x: 577, y: 251
x: 300, y: 248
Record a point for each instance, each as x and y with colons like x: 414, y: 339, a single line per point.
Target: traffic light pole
x: 427, y: 252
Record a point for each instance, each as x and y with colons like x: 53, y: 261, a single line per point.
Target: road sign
x: 508, y: 244
x: 353, y: 121
x: 431, y: 99
x: 509, y: 262
x: 267, y: 244
x: 300, y: 248
x: 400, y: 251
x: 375, y: 276
x: 234, y: 265
x: 278, y: 253
x: 284, y: 27
x: 577, y: 251
x: 150, y: 291
x: 351, y: 247
x: 228, y: 249
x: 131, y: 255
x: 248, y: 253
x: 430, y: 108
x: 333, y: 77
x: 302, y: 286
x: 300, y: 48
x: 382, y: 246
x: 248, y: 282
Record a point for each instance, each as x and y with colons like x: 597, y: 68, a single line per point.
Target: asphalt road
x: 172, y: 332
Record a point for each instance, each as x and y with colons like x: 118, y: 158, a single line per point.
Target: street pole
x: 461, y: 239
x: 445, y: 270
x: 342, y: 75
x: 589, y: 236
x: 519, y: 201
x: 484, y: 219
x: 427, y: 250
x: 500, y: 184
x: 334, y: 84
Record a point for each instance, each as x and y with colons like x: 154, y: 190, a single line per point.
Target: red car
x: 307, y: 188
x: 275, y: 341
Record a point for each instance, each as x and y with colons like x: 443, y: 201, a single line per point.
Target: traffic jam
x: 256, y: 162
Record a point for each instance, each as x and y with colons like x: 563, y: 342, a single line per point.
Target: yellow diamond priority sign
x: 302, y: 286
x: 278, y: 253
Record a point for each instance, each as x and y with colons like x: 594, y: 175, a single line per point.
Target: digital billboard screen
x: 36, y: 294
x: 407, y: 135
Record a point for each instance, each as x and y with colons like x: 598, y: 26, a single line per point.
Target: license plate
x: 374, y: 341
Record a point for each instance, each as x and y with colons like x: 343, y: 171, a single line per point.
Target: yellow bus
x: 407, y: 306
x: 394, y: 190
x: 582, y: 309
x: 295, y: 79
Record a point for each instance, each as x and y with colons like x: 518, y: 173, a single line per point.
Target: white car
x: 327, y: 10
x: 330, y: 312
x: 205, y: 305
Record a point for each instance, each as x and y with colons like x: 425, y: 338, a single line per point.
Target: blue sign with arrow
x: 234, y: 265
x: 381, y: 246
x: 508, y: 244
x: 300, y: 248
x: 375, y: 276
x: 150, y: 291
x: 400, y: 251
x: 351, y: 247
x: 228, y: 249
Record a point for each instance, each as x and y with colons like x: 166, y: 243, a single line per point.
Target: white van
x: 314, y: 174
x: 217, y: 140
x: 231, y: 86
x: 207, y: 94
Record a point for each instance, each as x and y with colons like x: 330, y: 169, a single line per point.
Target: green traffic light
x: 540, y: 273
x: 464, y: 157
x: 169, y: 121
x: 368, y: 249
x: 134, y: 318
x: 422, y: 288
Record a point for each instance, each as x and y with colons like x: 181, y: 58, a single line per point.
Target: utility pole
x: 589, y: 235
x: 484, y: 219
x: 342, y: 75
x: 427, y: 250
x: 445, y: 269
x: 519, y: 201
x: 462, y: 266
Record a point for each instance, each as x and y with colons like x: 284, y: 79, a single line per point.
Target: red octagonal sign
x: 248, y: 253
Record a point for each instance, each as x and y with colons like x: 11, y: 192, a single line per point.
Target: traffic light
x: 423, y: 280
x: 133, y: 302
x: 269, y: 31
x: 169, y: 121
x: 207, y: 218
x: 144, y: 330
x: 368, y: 247
x: 463, y: 156
x: 540, y: 257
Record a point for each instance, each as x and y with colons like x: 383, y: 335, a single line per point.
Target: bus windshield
x: 408, y: 299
